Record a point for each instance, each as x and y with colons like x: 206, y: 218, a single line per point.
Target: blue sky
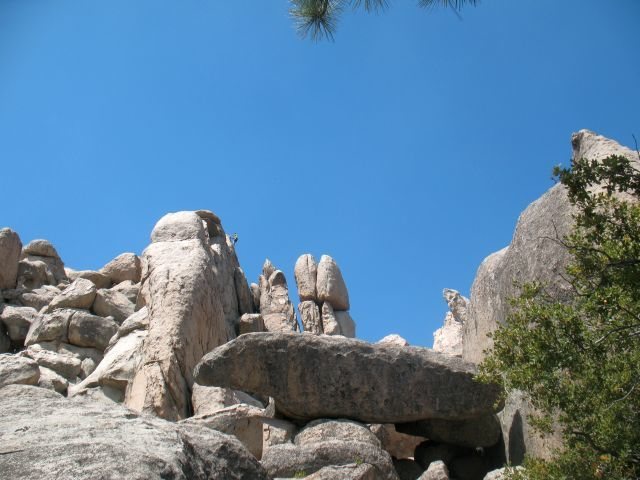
x: 406, y: 149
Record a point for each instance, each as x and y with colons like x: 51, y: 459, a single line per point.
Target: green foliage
x: 300, y: 474
x: 579, y: 360
x: 318, y: 18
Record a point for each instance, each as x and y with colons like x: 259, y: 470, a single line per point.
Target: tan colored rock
x: 52, y: 381
x: 242, y: 421
x: 245, y: 300
x: 79, y: 294
x: 330, y: 285
x: 44, y: 251
x: 137, y: 321
x: 310, y: 317
x: 66, y: 365
x: 10, y: 249
x: 186, y: 319
x: 111, y: 303
x: 306, y: 275
x: 99, y: 280
x: 50, y: 327
x: 255, y: 296
x: 125, y: 266
x: 17, y: 321
x: 128, y: 289
x: 117, y: 369
x: 275, y: 306
x: 347, y: 325
x: 251, y: 323
x: 208, y: 400
x: 276, y: 431
x: 330, y: 325
x: 16, y: 369
x: 351, y: 471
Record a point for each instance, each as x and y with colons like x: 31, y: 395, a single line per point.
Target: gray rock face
x: 79, y: 294
x: 15, y: 369
x: 88, y: 438
x: 310, y: 317
x: 306, y: 275
x: 186, y: 318
x: 477, y: 432
x: 34, y: 274
x: 10, y: 249
x: 111, y: 303
x: 125, y: 266
x: 322, y: 377
x: 287, y: 460
x: 330, y: 284
x: 17, y: 321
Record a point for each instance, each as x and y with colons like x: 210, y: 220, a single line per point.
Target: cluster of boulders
x: 175, y: 367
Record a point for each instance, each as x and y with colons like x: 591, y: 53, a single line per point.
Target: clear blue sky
x: 406, y: 149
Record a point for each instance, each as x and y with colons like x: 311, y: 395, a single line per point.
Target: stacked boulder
x: 271, y: 300
x: 324, y: 299
x: 448, y: 338
x: 57, y: 319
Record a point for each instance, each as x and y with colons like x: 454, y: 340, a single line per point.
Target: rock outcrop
x: 276, y: 308
x: 448, y: 339
x: 10, y: 249
x: 186, y: 317
x: 313, y: 376
x: 45, y: 435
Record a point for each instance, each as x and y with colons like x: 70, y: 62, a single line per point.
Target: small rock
x: 276, y: 431
x: 66, y: 365
x: 97, y: 278
x: 330, y: 325
x: 50, y: 327
x: 40, y: 297
x: 208, y: 400
x: 52, y: 381
x: 34, y: 274
x: 128, y: 289
x: 394, y: 339
x: 345, y: 430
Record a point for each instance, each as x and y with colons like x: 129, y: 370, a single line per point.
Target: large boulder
x: 310, y: 317
x: 98, y: 279
x: 86, y: 330
x: 306, y: 275
x: 328, y: 376
x: 207, y: 400
x: 10, y: 249
x: 326, y: 429
x: 186, y: 318
x: 112, y: 303
x: 330, y: 284
x: 125, y: 266
x: 45, y: 435
x: 448, y: 339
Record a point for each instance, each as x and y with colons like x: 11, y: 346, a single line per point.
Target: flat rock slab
x: 313, y: 376
x: 46, y: 436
